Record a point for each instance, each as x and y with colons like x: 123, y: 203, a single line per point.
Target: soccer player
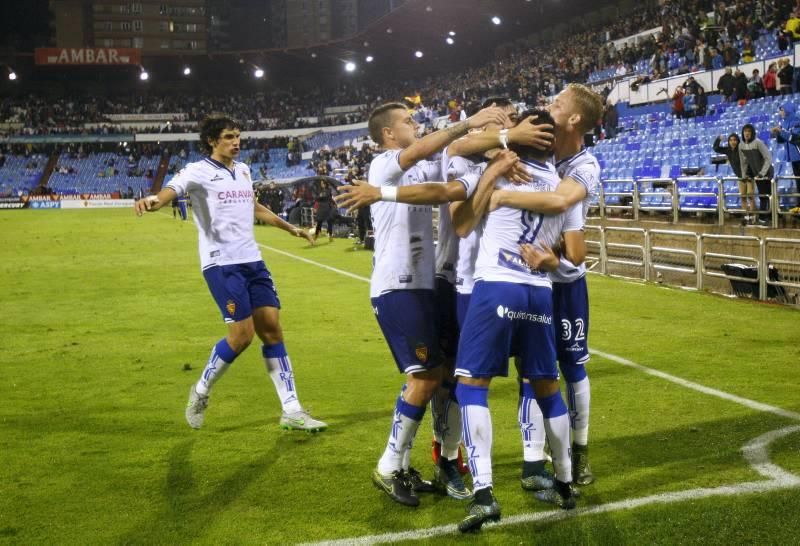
x: 576, y: 111
x: 459, y: 170
x: 450, y: 288
x: 401, y: 288
x: 239, y: 282
x: 510, y: 312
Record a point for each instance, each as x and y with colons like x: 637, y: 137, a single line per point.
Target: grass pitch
x: 107, y: 321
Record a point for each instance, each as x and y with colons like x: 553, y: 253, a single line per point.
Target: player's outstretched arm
x: 567, y: 194
x: 434, y: 142
x: 361, y: 194
x: 527, y: 133
x: 263, y: 214
x: 467, y: 214
x: 152, y: 203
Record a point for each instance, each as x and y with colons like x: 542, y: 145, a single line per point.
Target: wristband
x: 504, y: 138
x: 389, y: 193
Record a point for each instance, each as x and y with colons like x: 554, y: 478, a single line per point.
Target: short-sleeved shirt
x: 404, y: 254
x: 502, y: 232
x: 468, y: 172
x: 584, y: 169
x: 223, y: 207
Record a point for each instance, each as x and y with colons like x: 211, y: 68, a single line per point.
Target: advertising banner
x: 8, y: 203
x: 55, y: 56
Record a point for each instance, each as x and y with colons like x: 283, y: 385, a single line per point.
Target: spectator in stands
x: 701, y: 101
x: 785, y: 76
x: 740, y: 87
x: 731, y: 55
x: 731, y: 151
x: 610, y: 119
x: 748, y: 54
x: 770, y: 80
x: 727, y: 84
x: 677, y: 102
x: 717, y: 60
x: 756, y: 164
x: 792, y: 27
x: 788, y: 134
x: 755, y: 86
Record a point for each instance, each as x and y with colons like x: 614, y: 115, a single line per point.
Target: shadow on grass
x: 186, y: 513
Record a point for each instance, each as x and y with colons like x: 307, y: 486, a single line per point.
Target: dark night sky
x: 24, y: 24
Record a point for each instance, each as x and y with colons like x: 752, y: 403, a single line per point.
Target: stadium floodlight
x: 418, y: 54
x: 187, y: 71
x: 452, y: 33
x: 258, y: 73
x: 143, y: 75
x: 496, y: 20
x: 12, y: 75
x: 369, y: 58
x: 450, y: 41
x: 350, y: 66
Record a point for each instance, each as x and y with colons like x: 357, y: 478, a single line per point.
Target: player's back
x: 503, y: 230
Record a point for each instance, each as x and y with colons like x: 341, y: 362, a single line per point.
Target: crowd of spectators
x: 690, y: 39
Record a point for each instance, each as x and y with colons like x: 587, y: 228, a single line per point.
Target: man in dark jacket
x: 726, y: 84
x: 740, y: 85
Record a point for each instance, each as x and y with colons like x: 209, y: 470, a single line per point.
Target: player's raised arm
x: 263, y: 214
x: 526, y: 133
x: 152, y: 203
x: 467, y: 214
x: 434, y: 142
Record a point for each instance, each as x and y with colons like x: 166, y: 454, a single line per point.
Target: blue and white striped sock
x: 477, y: 432
x: 221, y: 357
x: 405, y: 423
x: 446, y: 417
x: 556, y: 423
x: 280, y: 371
x: 531, y: 425
x: 579, y: 396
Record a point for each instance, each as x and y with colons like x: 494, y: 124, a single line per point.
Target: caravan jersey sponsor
x: 223, y: 204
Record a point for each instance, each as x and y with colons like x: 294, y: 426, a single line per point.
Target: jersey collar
x: 219, y: 165
x: 570, y: 158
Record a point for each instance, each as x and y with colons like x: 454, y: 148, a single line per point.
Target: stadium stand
x: 20, y: 173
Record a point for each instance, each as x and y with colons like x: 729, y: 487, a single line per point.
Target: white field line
x: 312, y: 262
x: 755, y: 452
x: 752, y: 404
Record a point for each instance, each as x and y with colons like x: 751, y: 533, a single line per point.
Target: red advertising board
x: 54, y: 56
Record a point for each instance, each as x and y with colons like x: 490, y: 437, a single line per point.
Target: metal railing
x: 764, y: 268
x: 671, y: 195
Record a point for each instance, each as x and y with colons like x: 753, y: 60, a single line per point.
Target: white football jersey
x: 404, y: 257
x: 465, y: 267
x: 584, y: 169
x: 502, y: 232
x: 468, y: 172
x: 223, y: 206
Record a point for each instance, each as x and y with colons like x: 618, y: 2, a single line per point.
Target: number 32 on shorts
x: 567, y: 329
